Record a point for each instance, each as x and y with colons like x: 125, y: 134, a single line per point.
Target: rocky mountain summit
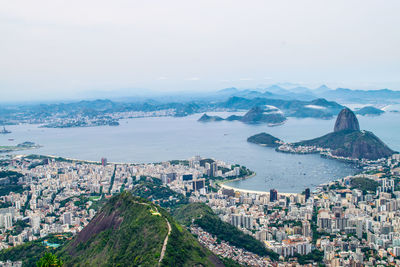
x: 348, y: 141
x: 346, y: 120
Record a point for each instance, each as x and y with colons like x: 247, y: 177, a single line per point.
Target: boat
x: 5, y: 131
x: 11, y: 139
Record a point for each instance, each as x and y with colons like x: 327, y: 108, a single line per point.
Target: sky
x: 75, y: 49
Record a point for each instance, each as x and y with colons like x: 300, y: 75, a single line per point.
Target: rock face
x: 346, y: 120
x: 265, y: 114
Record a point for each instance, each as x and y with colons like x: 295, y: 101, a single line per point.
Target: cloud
x: 162, y: 78
x: 245, y: 79
x: 193, y: 79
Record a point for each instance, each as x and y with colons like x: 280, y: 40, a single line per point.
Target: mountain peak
x: 346, y: 120
x: 132, y: 231
x: 323, y: 87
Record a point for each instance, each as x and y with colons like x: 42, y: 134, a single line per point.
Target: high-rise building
x: 164, y: 179
x: 18, y: 205
x: 7, y: 220
x: 212, y: 169
x: 359, y: 228
x: 171, y: 176
x: 199, y: 184
x: 307, y: 193
x: 273, y: 195
x: 237, y: 171
x: 103, y: 161
x: 236, y: 220
x: 306, y: 228
x: 35, y: 221
x: 247, y: 221
x: 67, y: 218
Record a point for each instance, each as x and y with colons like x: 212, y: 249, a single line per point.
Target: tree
x: 49, y: 260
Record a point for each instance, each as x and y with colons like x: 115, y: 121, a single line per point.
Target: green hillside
x: 129, y: 231
x: 202, y: 215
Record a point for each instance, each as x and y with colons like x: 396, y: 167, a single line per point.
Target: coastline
x: 11, y: 149
x: 223, y: 184
x: 220, y: 183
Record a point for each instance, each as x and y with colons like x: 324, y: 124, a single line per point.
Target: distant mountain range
x: 298, y: 102
x: 343, y: 95
x: 317, y: 108
x: 257, y: 114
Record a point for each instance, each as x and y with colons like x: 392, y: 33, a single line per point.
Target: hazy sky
x: 55, y: 49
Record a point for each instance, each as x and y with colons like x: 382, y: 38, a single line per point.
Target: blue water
x: 160, y: 139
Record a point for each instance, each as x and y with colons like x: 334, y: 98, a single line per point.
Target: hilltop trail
x: 168, y: 234
x: 165, y: 242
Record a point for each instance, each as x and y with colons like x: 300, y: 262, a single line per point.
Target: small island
x: 19, y: 147
x: 206, y: 118
x: 265, y: 139
x: 369, y: 111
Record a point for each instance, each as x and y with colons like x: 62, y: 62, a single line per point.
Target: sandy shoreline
x: 223, y: 184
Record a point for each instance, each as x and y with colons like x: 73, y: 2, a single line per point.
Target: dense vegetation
x: 49, y: 260
x: 364, y: 184
x: 203, y: 216
x: 264, y: 139
x: 230, y: 263
x: 30, y: 252
x: 153, y: 190
x: 129, y: 232
x: 9, y: 182
x: 313, y: 257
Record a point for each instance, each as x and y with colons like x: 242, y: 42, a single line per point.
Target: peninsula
x: 347, y: 141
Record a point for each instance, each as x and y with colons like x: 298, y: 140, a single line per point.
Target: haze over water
x: 146, y: 140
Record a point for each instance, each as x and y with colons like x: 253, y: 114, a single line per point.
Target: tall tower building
x: 307, y: 193
x: 273, y: 195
